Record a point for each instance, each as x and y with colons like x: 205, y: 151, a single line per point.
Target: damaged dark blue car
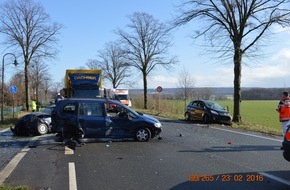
x: 81, y: 118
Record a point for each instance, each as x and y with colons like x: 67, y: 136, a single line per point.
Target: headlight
x: 214, y: 112
x: 158, y: 125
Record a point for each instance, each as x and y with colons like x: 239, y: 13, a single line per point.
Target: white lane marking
x: 242, y: 133
x: 68, y: 151
x: 4, y: 130
x: 5, y: 173
x: 72, y: 176
x: 286, y: 182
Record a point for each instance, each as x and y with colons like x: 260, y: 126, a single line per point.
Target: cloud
x: 273, y: 73
x: 216, y: 77
x: 164, y: 80
x: 280, y: 29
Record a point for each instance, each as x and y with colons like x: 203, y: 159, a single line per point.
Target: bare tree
x: 234, y: 27
x: 46, y: 86
x: 204, y: 93
x: 113, y: 65
x: 56, y: 87
x: 28, y: 28
x: 92, y: 64
x: 146, y: 45
x: 39, y: 71
x: 186, y: 83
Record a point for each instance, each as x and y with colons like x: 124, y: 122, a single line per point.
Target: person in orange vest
x: 284, y: 111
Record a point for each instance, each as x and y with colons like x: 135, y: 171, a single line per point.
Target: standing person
x: 33, y: 105
x: 58, y: 97
x: 284, y: 111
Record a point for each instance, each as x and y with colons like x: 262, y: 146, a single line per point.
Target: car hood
x: 149, y: 118
x: 220, y: 110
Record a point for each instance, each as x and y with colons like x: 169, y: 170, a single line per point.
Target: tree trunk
x: 26, y: 86
x: 185, y: 96
x: 145, y: 89
x: 37, y: 94
x: 237, y: 85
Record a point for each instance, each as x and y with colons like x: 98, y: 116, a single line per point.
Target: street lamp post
x: 2, y: 89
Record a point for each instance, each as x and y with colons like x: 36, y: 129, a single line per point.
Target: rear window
x: 28, y: 118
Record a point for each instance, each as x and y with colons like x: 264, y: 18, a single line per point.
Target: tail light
x: 287, y: 136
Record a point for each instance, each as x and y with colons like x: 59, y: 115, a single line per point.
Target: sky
x: 90, y: 24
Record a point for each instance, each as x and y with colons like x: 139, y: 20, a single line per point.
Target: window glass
x: 91, y: 108
x: 202, y: 105
x: 69, y: 108
x: 28, y: 118
x: 121, y: 97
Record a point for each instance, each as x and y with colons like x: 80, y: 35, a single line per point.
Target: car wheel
x: 42, y: 129
x: 186, y: 116
x: 286, y: 155
x: 143, y: 134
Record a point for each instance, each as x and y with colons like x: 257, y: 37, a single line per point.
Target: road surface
x: 190, y: 156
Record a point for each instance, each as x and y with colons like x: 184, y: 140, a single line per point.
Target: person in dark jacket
x: 58, y: 97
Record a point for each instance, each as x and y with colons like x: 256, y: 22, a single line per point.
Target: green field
x: 256, y: 115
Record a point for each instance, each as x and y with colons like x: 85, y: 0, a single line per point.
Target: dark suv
x: 92, y: 118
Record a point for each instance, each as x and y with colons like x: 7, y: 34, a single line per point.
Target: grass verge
x: 14, y: 188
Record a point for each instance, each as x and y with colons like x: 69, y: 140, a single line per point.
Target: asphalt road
x: 190, y: 156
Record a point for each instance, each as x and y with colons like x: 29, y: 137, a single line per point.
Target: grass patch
x: 14, y: 188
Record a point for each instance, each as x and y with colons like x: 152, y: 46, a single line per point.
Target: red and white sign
x: 159, y: 89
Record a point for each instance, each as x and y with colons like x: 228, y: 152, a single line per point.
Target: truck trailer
x: 82, y: 83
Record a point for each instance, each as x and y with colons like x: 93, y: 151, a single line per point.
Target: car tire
x: 143, y: 134
x: 286, y: 155
x: 186, y: 117
x: 42, y: 129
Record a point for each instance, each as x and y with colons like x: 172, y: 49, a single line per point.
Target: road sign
x: 13, y: 89
x: 159, y: 89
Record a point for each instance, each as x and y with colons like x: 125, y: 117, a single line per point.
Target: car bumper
x: 222, y: 119
x: 286, y: 150
x: 157, y: 132
x: 22, y: 130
